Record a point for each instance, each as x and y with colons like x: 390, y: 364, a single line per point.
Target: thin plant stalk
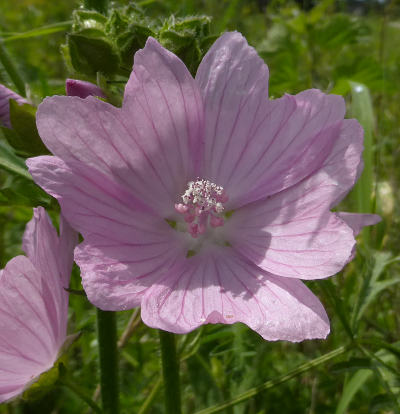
x: 144, y: 409
x: 76, y: 389
x: 170, y: 369
x: 107, y: 337
x: 252, y: 392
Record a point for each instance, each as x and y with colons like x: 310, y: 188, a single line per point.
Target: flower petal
x: 5, y: 96
x: 163, y: 103
x: 293, y: 233
x: 255, y: 147
x: 53, y: 257
x: 148, y: 146
x: 220, y: 287
x: 358, y: 221
x: 83, y: 89
x: 28, y: 344
x: 126, y: 245
x: 42, y: 246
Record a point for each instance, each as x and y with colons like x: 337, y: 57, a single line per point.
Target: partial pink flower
x: 34, y: 304
x: 83, y: 89
x: 201, y: 200
x: 5, y: 96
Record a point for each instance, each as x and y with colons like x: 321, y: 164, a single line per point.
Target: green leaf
x: 355, y: 383
x: 91, y: 55
x: 370, y: 286
x: 198, y: 25
x: 99, y: 5
x: 329, y: 290
x: 24, y: 137
x: 353, y: 364
x: 85, y: 19
x: 42, y: 384
x: 362, y: 110
x: 351, y: 388
x: 252, y: 392
x: 183, y: 45
x: 185, y: 36
x: 132, y: 40
x: 23, y: 192
x: 116, y: 24
x: 11, y: 162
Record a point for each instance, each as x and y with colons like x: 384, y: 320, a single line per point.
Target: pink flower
x: 74, y: 87
x: 5, y: 96
x: 34, y: 304
x: 200, y: 199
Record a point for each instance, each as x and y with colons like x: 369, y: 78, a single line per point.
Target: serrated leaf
x: 183, y: 45
x: 198, y: 25
x: 92, y: 33
x: 99, y: 5
x: 131, y: 41
x: 116, y: 24
x: 88, y: 19
x: 91, y: 55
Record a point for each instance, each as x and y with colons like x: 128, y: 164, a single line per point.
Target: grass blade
x: 252, y: 392
x: 40, y: 31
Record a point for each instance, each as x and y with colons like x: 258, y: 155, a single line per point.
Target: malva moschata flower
x: 34, y: 304
x: 202, y: 201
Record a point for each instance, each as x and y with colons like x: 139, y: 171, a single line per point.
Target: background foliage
x: 344, y: 47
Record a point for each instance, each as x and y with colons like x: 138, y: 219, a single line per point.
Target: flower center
x: 202, y: 205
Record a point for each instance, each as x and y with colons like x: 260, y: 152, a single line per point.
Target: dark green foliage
x: 91, y: 53
x: 108, y: 44
x: 23, y: 136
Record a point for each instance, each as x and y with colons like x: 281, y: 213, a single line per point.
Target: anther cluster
x: 202, y: 204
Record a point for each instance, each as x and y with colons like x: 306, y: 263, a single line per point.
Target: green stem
x: 107, y: 337
x: 12, y: 70
x: 170, y: 368
x: 76, y: 389
x: 252, y: 392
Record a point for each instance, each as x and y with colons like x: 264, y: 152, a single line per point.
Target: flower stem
x: 170, y: 368
x: 12, y: 70
x: 107, y: 337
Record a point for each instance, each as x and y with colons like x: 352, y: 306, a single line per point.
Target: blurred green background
x: 344, y: 47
